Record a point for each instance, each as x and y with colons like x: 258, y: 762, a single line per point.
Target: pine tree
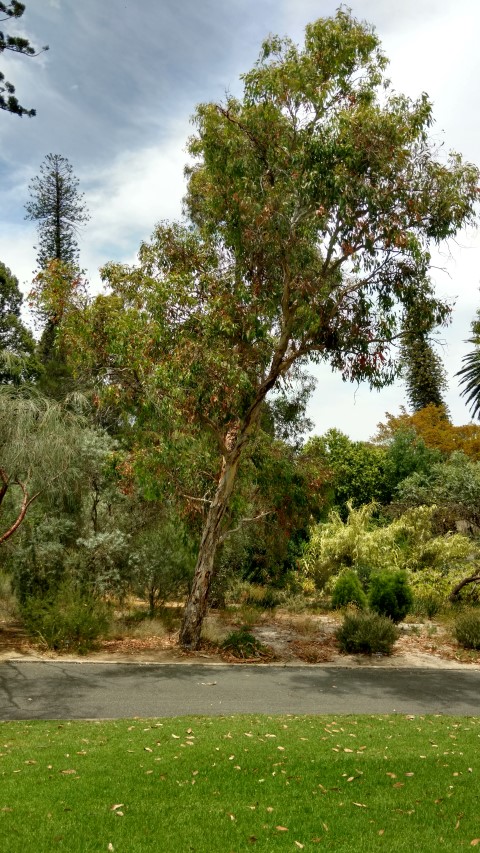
x: 15, y: 44
x: 422, y: 368
x: 59, y: 209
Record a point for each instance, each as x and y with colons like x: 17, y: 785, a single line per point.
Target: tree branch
x: 242, y: 522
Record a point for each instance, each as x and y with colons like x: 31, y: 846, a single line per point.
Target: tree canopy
x: 15, y: 44
x: 312, y: 203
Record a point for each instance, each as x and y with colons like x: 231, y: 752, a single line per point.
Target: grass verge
x: 201, y: 785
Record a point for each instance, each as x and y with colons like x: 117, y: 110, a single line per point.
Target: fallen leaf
x: 399, y: 785
x: 475, y: 842
x: 282, y: 828
x: 299, y: 845
x: 409, y: 774
x: 116, y: 806
x: 6, y: 809
x: 147, y: 748
x: 177, y: 737
x: 362, y: 805
x: 350, y: 778
x: 110, y: 847
x: 269, y: 808
x: 67, y: 772
x: 381, y: 831
x: 347, y: 750
x: 392, y: 775
x: 231, y: 816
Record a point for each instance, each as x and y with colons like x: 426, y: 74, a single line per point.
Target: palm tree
x: 470, y: 372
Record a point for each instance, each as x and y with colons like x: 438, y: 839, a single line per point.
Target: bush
x: 66, y: 620
x: 366, y: 633
x: 390, y: 595
x: 263, y: 597
x: 242, y: 644
x: 348, y: 590
x: 427, y: 605
x: 467, y: 629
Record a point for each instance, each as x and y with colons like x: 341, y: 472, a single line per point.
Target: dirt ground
x: 290, y: 640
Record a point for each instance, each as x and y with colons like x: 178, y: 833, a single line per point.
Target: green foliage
x: 348, y: 590
x: 422, y: 368
x: 366, y: 633
x: 67, y: 619
x: 312, y: 202
x: 390, y: 595
x: 58, y: 208
x: 428, y: 604
x: 453, y: 486
x: 467, y: 629
x: 470, y: 372
x: 164, y: 559
x: 352, y: 471
x: 263, y: 597
x: 14, y: 44
x: 406, y: 454
x: 243, y: 644
x: 434, y: 564
x: 17, y: 361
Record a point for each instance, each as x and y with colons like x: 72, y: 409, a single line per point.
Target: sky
x: 114, y: 95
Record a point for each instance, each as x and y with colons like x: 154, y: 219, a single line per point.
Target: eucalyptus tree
x: 312, y: 202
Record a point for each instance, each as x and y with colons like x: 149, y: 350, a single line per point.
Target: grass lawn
x: 202, y: 785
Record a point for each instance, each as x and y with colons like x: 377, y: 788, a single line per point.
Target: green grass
x: 226, y: 785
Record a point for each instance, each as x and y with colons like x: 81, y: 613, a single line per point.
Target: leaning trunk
x: 196, y: 605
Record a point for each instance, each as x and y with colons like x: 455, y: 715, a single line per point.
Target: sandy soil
x: 290, y: 639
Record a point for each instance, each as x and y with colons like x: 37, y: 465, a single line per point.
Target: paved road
x: 59, y: 690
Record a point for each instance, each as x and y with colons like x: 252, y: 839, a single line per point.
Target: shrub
x: 366, y: 633
x: 263, y: 597
x: 467, y: 629
x: 243, y: 644
x: 348, y: 590
x: 66, y: 620
x: 427, y: 605
x: 390, y: 595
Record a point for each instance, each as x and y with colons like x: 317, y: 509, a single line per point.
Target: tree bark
x: 26, y: 501
x: 196, y: 605
x: 459, y: 586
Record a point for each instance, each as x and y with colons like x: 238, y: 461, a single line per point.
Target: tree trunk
x: 196, y: 605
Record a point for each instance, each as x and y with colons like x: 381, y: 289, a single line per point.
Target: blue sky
x: 115, y: 92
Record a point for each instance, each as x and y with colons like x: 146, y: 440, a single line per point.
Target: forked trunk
x: 196, y: 605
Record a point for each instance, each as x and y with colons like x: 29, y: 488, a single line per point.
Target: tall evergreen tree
x: 15, y: 44
x: 422, y: 368
x: 58, y: 207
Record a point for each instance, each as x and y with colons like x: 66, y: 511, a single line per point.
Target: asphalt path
x: 55, y: 690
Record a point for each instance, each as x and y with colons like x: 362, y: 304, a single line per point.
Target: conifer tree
x: 58, y: 207
x: 422, y: 368
x: 15, y: 44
